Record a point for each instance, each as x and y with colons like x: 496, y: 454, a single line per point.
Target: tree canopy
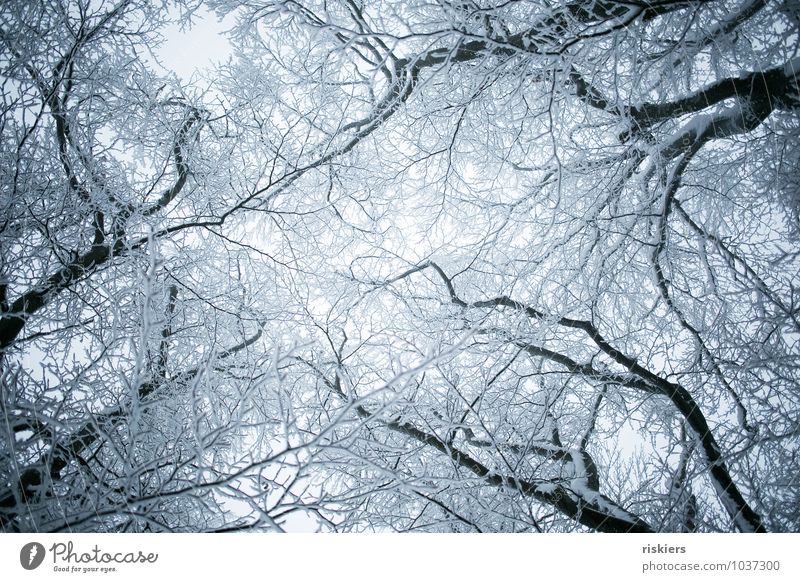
x: 401, y: 265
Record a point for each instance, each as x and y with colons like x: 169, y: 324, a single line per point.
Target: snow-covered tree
x: 400, y: 265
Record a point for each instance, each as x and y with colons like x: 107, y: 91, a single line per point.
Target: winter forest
x: 401, y: 265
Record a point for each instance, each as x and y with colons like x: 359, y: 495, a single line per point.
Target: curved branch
x: 763, y: 91
x: 192, y: 119
x: 15, y: 317
x: 744, y: 517
x: 579, y: 502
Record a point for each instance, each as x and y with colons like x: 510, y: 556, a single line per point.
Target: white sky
x: 188, y: 51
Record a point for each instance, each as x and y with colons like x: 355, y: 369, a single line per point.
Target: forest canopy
x: 404, y: 265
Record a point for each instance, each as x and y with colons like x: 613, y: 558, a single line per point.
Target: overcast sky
x: 190, y: 50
